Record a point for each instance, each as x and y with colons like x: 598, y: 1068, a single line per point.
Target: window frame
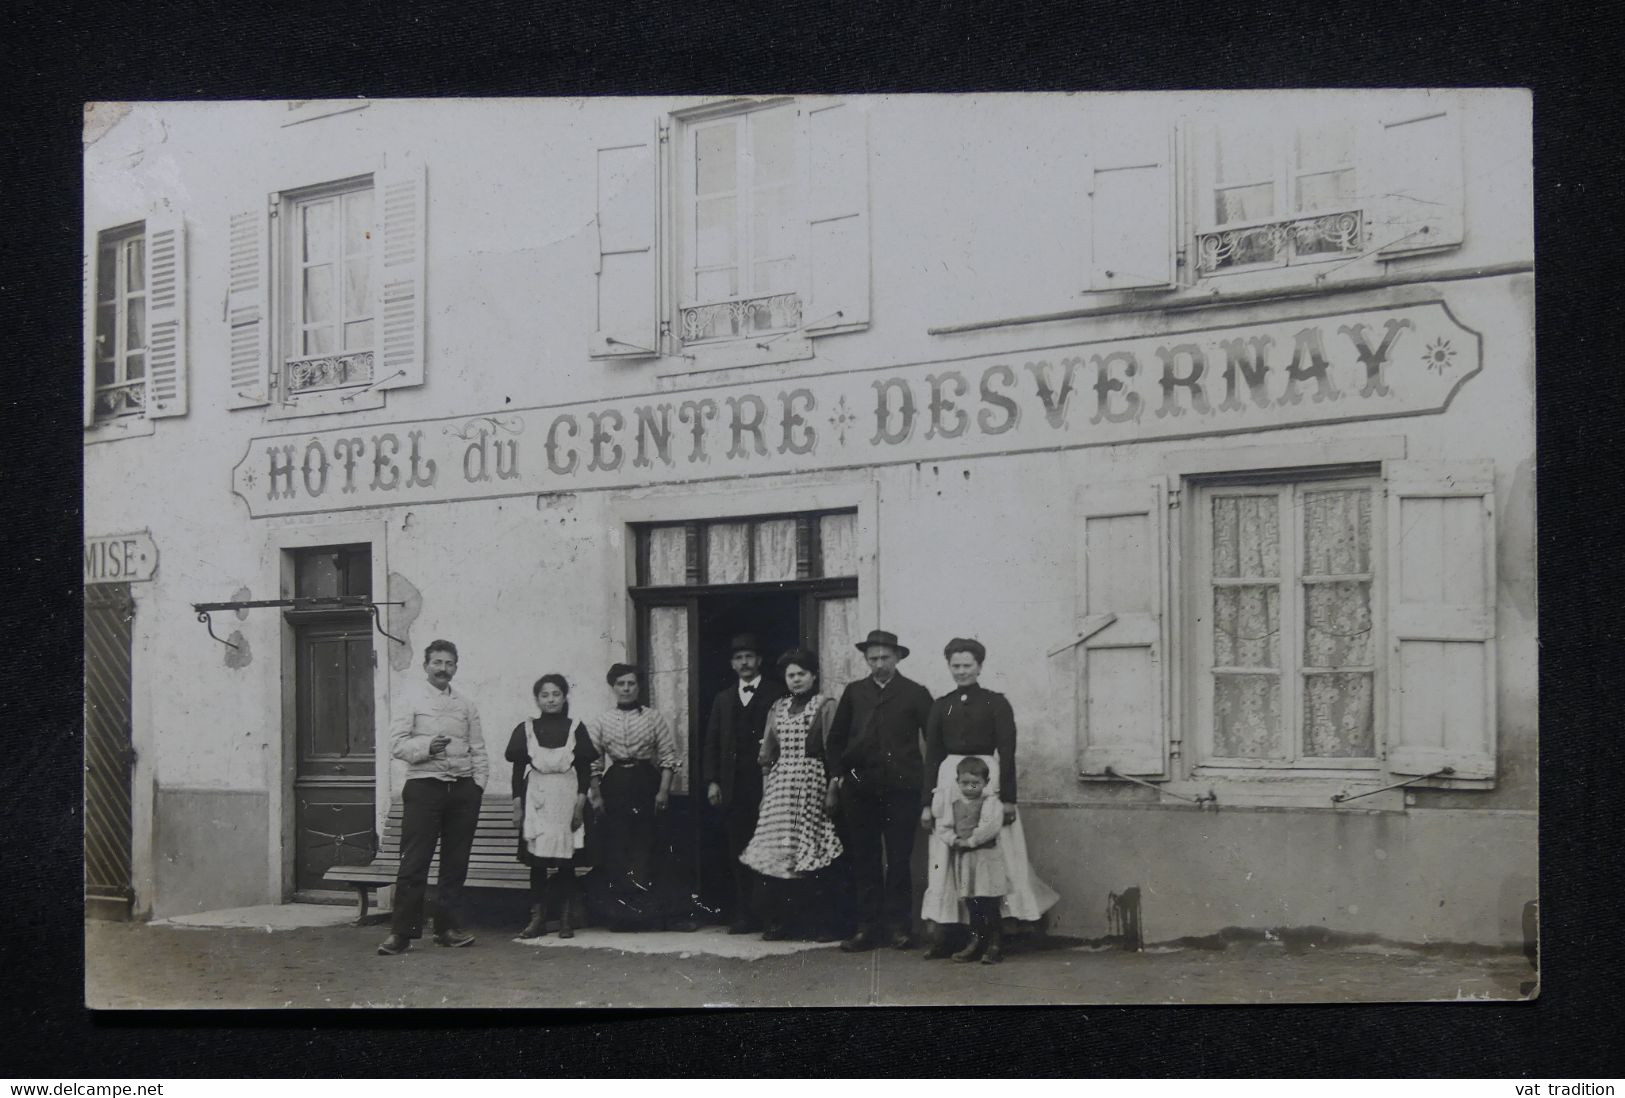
x: 686, y: 299
x: 121, y: 239
x: 287, y: 326
x: 1352, y: 223
x: 1195, y: 599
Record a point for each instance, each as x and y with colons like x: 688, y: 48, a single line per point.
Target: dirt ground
x: 137, y: 965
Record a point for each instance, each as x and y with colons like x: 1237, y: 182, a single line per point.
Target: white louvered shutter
x: 1132, y: 223
x: 401, y: 202
x: 166, y: 315
x: 1419, y: 180
x: 248, y: 310
x: 838, y: 274
x: 1123, y: 668
x: 89, y: 356
x: 627, y: 271
x: 1441, y: 619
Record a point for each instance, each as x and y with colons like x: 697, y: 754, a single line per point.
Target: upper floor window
x: 1272, y: 196
x: 121, y: 322
x: 135, y: 360
x: 741, y: 225
x: 328, y: 289
x: 327, y: 294
x: 733, y: 234
x: 1255, y: 189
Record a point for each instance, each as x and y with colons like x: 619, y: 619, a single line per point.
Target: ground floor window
x: 1282, y: 610
x: 1331, y: 624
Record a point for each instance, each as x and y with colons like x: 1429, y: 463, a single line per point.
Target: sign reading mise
x: 1393, y: 362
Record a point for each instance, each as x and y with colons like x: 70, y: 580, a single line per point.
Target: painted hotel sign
x: 1402, y: 361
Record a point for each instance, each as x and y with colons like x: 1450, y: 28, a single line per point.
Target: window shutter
x: 248, y: 309
x: 166, y: 315
x: 402, y: 228
x: 1132, y: 212
x: 837, y: 143
x: 1123, y: 685
x: 89, y: 363
x: 628, y: 259
x: 1441, y: 619
x: 1418, y: 160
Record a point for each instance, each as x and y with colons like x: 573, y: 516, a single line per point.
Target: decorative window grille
x: 1286, y: 619
x: 1276, y: 197
x: 121, y: 324
x: 742, y: 225
x: 328, y: 289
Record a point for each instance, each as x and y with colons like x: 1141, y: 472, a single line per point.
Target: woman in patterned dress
x: 795, y: 842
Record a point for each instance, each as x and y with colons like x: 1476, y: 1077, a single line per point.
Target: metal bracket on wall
x: 1442, y: 772
x: 1201, y: 800
x: 319, y: 602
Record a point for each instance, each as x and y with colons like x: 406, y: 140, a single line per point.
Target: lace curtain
x: 668, y: 555
x: 776, y: 550
x: 668, y: 679
x: 1338, y: 682
x: 838, y: 658
x: 1337, y: 705
x: 727, y: 553
x: 838, y: 537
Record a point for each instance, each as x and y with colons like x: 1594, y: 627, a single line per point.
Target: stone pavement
x: 248, y: 962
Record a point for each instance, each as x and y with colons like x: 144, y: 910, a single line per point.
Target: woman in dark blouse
x: 971, y: 720
x: 552, y: 760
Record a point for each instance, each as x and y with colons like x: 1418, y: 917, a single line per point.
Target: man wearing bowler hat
x: 873, y: 756
x: 733, y: 776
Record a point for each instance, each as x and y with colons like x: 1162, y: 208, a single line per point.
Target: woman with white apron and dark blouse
x: 972, y: 721
x: 552, y: 760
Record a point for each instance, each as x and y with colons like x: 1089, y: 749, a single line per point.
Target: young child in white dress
x: 970, y: 828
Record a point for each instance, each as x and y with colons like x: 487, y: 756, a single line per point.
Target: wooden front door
x: 333, y: 782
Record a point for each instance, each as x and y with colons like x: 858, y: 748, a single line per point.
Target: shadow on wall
x: 405, y: 592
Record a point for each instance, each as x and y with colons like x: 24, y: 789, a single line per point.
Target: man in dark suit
x: 874, y: 757
x: 733, y: 776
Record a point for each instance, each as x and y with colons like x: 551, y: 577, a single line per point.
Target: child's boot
x: 994, y: 953
x: 538, y: 922
x: 973, y: 948
x: 942, y: 942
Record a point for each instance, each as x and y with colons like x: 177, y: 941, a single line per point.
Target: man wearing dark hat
x: 733, y: 777
x: 873, y: 754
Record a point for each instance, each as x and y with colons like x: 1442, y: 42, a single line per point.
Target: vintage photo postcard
x: 786, y: 550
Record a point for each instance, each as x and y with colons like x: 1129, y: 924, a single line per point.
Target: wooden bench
x: 491, y: 864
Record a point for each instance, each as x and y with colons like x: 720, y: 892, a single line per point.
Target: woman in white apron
x: 971, y: 720
x: 552, y: 760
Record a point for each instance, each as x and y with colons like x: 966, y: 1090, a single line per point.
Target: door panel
x: 333, y: 784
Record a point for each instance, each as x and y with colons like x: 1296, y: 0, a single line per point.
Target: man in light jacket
x: 436, y: 731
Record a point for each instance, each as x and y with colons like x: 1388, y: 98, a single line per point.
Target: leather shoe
x: 901, y: 940
x: 453, y: 939
x: 861, y: 942
x: 394, y: 945
x: 941, y: 948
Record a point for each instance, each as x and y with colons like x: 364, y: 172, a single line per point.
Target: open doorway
x: 775, y: 618
x: 791, y: 580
